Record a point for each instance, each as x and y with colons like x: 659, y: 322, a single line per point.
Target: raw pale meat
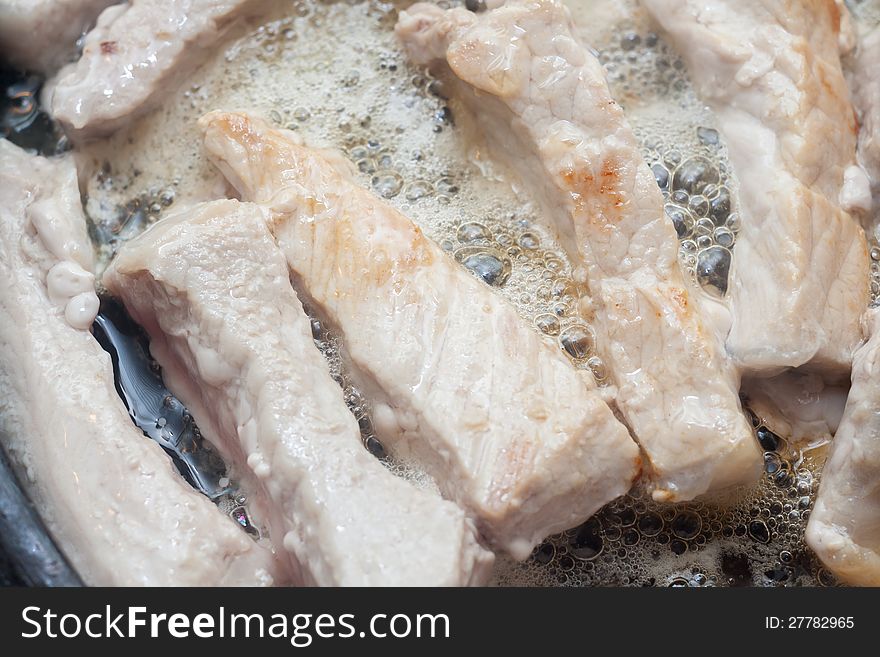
x: 866, y: 96
x: 213, y: 291
x: 109, y: 495
x: 135, y: 56
x: 544, y: 105
x: 460, y: 383
x: 797, y: 405
x: 844, y: 526
x: 40, y: 35
x: 770, y: 70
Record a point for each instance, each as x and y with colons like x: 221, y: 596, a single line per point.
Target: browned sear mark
x: 601, y: 196
x: 108, y: 47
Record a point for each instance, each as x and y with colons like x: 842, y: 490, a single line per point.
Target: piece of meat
x: 41, y: 35
x: 135, y: 56
x: 770, y: 70
x: 542, y: 101
x: 460, y: 383
x: 109, y: 495
x: 797, y: 405
x: 865, y: 83
x: 844, y: 526
x: 213, y: 291
x: 598, y: 21
x: 847, y: 33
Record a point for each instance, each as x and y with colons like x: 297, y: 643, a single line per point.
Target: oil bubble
x: 758, y: 531
x: 586, y: 543
x: 681, y: 219
x: 709, y: 136
x: 489, y: 265
x: 418, y: 189
x: 529, y: 241
x: 472, y: 232
x: 578, y: 341
x: 650, y: 524
x: 713, y: 267
x: 686, y: 525
x: 694, y: 174
x: 598, y: 368
x: 548, y: 324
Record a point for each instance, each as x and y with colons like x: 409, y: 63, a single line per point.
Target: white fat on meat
x: 542, y: 101
x: 213, y: 291
x: 844, y: 525
x: 771, y: 72
x: 110, y: 497
x: 460, y: 383
x: 53, y: 195
x: 137, y: 53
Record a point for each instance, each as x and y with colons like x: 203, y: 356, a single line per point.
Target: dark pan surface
x: 28, y: 555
